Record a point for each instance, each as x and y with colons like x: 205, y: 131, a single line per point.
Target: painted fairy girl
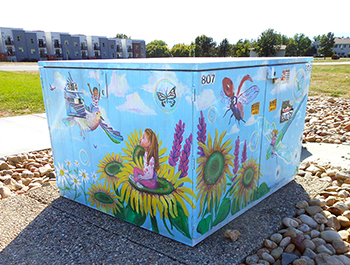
x: 148, y: 176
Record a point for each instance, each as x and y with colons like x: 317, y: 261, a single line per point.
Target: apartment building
x: 17, y: 45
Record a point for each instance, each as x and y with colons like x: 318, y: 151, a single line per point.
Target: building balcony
x: 83, y: 47
x: 96, y: 47
x: 11, y: 53
x: 57, y: 45
x: 129, y: 50
x: 9, y: 42
x: 59, y: 55
x: 42, y: 45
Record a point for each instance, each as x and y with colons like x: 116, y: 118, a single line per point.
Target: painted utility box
x: 176, y: 146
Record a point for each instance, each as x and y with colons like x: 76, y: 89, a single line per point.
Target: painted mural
x: 145, y: 147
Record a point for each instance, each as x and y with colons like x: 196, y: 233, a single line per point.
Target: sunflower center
x: 214, y: 168
x: 248, y: 176
x: 113, y: 168
x: 103, y: 198
x: 164, y: 187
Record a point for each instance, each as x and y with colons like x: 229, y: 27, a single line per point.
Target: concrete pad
x: 335, y: 154
x: 21, y: 134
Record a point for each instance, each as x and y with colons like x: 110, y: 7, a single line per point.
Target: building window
x: 104, y: 54
x: 103, y: 44
x: 66, y: 42
x: 19, y: 38
x: 112, y: 46
x: 76, y: 54
x: 20, y: 49
x: 113, y: 55
x: 75, y: 44
x: 32, y: 51
x: 31, y: 40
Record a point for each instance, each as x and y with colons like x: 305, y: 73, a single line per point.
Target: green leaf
x: 203, y: 225
x: 223, y: 212
x: 166, y: 226
x: 133, y: 217
x: 180, y: 222
x: 235, y: 207
x: 154, y: 224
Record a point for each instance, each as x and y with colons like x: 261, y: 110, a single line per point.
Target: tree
x: 242, y: 48
x: 157, y: 48
x: 268, y: 43
x: 180, y: 50
x: 326, y: 44
x: 303, y: 44
x: 205, y: 47
x: 224, y: 49
x: 122, y: 36
x: 292, y: 48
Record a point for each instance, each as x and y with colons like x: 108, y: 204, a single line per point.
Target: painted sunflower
x: 147, y: 201
x: 110, y: 167
x: 103, y: 198
x: 212, y: 169
x: 246, y: 181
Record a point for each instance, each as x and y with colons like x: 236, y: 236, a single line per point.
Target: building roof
x: 342, y: 40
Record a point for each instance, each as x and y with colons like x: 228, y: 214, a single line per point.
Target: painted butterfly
x: 167, y: 98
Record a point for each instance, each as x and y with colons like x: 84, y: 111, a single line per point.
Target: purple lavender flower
x: 201, y: 134
x: 244, y: 152
x: 236, y: 154
x: 186, y: 151
x: 175, y: 152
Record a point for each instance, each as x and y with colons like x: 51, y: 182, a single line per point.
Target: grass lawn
x: 330, y: 80
x: 20, y: 93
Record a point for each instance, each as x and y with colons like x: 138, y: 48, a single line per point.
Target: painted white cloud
x: 95, y: 75
x: 181, y: 89
x: 250, y: 121
x: 135, y: 104
x: 234, y: 129
x: 118, y: 85
x: 205, y: 99
x: 59, y: 81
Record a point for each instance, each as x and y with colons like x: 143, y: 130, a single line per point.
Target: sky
x: 181, y: 21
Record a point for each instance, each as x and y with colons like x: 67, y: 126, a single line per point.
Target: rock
x: 302, y: 204
x: 345, y: 260
x: 45, y: 169
x: 340, y: 246
x: 323, y: 249
x: 252, y: 259
x: 309, y: 244
x: 319, y: 218
x: 343, y: 194
x: 27, y: 174
x: 5, y: 192
x: 288, y: 258
x: 270, y: 244
x: 312, y: 210
x: 346, y: 214
x: 290, y: 248
x: 289, y: 222
x: 276, y: 253
x: 285, y: 242
x: 3, y: 165
x: 344, y: 222
x: 300, y: 262
x: 342, y: 175
x: 232, y: 234
x: 309, y: 253
x: 268, y: 257
x: 314, y: 233
x: 298, y: 242
x: 308, y: 220
x: 330, y: 200
x: 277, y: 237
x: 344, y: 235
x: 330, y: 236
x: 317, y: 202
x: 333, y: 222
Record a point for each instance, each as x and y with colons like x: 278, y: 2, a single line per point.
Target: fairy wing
x: 266, y: 127
x: 284, y: 153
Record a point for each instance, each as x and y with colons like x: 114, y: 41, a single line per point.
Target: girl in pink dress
x: 148, y: 176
